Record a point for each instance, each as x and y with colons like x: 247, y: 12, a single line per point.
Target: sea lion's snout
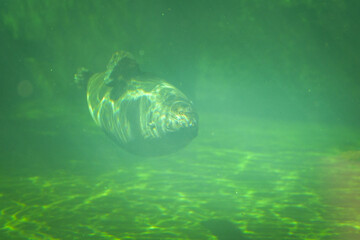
x: 182, y: 115
x: 186, y: 125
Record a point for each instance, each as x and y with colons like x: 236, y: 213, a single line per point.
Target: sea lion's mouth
x: 184, y: 133
x: 181, y: 120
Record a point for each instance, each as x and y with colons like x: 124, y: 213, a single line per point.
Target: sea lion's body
x: 142, y: 113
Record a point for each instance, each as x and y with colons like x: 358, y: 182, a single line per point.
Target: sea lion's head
x: 173, y: 111
x: 181, y: 119
x: 169, y: 120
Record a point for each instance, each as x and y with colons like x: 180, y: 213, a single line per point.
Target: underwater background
x: 277, y: 88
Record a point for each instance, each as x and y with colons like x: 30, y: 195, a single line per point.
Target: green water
x: 276, y: 86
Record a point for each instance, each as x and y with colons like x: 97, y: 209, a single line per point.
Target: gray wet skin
x: 144, y: 114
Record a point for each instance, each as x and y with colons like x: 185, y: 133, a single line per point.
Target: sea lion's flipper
x: 82, y: 76
x: 121, y: 67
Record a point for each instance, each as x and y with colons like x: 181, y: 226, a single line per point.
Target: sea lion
x: 144, y: 114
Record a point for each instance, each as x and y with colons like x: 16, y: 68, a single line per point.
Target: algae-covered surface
x: 240, y: 179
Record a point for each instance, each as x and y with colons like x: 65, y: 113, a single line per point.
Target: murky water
x: 275, y: 85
